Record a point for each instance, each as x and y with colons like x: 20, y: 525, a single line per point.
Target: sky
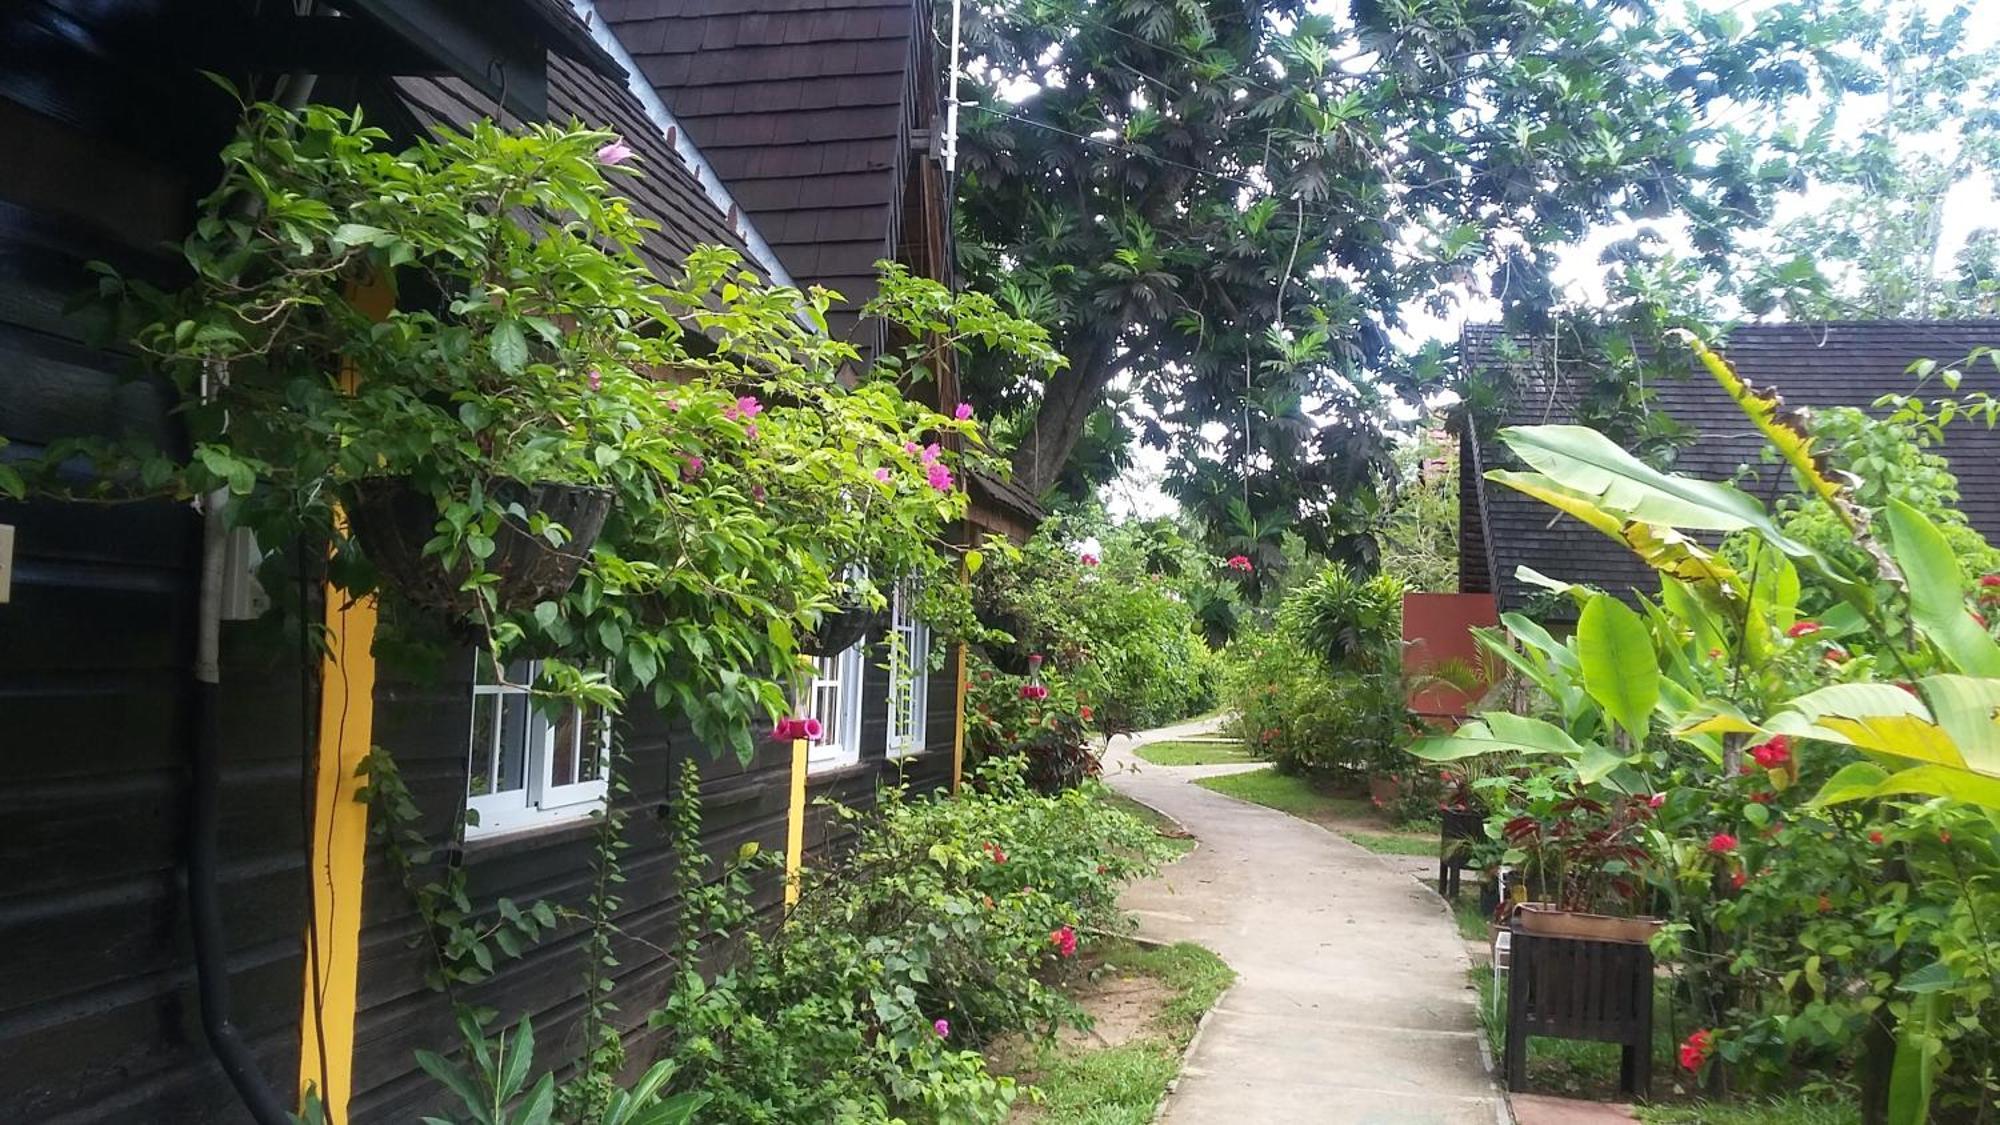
x: 1970, y: 204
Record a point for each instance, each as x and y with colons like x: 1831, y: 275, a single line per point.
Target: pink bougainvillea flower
x: 1239, y: 562
x: 1802, y: 629
x: 596, y: 379
x: 692, y: 467
x: 617, y: 152
x: 1773, y: 754
x: 942, y: 1027
x: 883, y: 475
x: 1722, y: 843
x: 1088, y: 559
x: 912, y: 448
x: 1696, y: 1049
x: 964, y: 412
x: 938, y: 477
x: 932, y: 453
x: 1064, y: 940
x: 757, y: 493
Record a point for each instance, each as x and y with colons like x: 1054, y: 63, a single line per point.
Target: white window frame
x: 909, y: 674
x: 539, y: 800
x: 834, y: 698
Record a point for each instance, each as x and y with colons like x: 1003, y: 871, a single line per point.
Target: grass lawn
x: 1194, y: 753
x: 1123, y: 1083
x: 1175, y: 836
x: 1352, y: 817
x: 1793, y: 1110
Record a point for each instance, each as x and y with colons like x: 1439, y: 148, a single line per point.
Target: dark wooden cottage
x: 112, y: 134
x: 1810, y: 365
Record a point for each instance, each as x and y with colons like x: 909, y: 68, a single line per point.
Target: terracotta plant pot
x: 1545, y: 920
x: 393, y: 520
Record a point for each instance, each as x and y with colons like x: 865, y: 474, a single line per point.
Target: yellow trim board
x: 795, y: 822
x: 339, y: 854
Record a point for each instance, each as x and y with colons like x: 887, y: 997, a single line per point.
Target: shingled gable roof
x: 665, y: 192
x: 1810, y: 365
x: 800, y: 106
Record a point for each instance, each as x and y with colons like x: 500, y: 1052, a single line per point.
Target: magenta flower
x: 1239, y: 562
x: 596, y: 379
x: 911, y: 448
x: 788, y: 729
x: 743, y: 408
x: 1064, y: 940
x: 617, y: 152
x: 932, y: 453
x: 692, y: 467
x: 757, y: 493
x: 1088, y: 560
x: 750, y: 431
x: 943, y: 1028
x: 883, y: 475
x: 813, y: 729
x: 939, y: 477
x: 964, y: 412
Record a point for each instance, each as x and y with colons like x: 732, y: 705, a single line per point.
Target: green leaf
x: 509, y: 346
x: 1856, y: 781
x: 540, y: 1104
x: 1620, y: 670
x: 355, y: 234
x: 1937, y: 592
x: 1912, y: 1072
x: 973, y: 561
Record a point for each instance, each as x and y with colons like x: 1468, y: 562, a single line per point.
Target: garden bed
x: 1145, y: 1003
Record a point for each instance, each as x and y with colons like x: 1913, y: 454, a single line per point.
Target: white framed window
x: 526, y: 767
x: 909, y: 673
x: 835, y: 700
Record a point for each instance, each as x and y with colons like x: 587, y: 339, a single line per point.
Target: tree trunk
x: 1070, y: 396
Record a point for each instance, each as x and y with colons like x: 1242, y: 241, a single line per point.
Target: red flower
x: 1737, y: 879
x: 1086, y: 712
x: 1715, y: 654
x: 1722, y: 843
x: 1656, y: 800
x: 1088, y: 560
x: 1989, y: 581
x: 1836, y: 655
x: 993, y: 852
x: 1064, y: 940
x: 1696, y: 1049
x: 1762, y: 797
x: 1875, y: 837
x: 1774, y: 753
x: 1802, y: 629
x: 1239, y: 562
x: 1944, y: 837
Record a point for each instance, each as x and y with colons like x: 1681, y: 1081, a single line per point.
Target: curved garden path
x: 1351, y: 1004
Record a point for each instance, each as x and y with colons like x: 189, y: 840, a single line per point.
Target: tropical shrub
x: 1323, y: 693
x: 1809, y: 801
x: 945, y: 925
x: 750, y: 490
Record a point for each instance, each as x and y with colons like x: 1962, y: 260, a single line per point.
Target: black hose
x: 205, y: 917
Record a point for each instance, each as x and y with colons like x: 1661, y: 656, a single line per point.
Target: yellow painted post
x: 340, y: 843
x: 339, y: 856
x: 795, y: 823
x: 958, y: 726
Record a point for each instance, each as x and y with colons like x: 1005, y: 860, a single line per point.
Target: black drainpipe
x: 211, y: 966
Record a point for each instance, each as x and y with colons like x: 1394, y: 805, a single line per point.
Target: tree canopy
x: 1225, y: 209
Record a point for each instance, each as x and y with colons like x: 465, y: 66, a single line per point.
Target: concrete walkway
x: 1351, y: 1006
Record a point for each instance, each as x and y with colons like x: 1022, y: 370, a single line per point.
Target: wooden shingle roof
x: 666, y: 191
x: 1810, y: 365
x: 800, y: 106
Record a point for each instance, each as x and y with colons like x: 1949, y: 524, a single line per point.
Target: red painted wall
x: 1438, y: 627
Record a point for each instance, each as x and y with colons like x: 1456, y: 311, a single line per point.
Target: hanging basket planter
x: 842, y: 629
x: 393, y: 519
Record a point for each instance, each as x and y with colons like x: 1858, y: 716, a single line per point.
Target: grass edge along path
x: 1351, y: 817
x: 1180, y: 752
x: 1124, y: 1084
